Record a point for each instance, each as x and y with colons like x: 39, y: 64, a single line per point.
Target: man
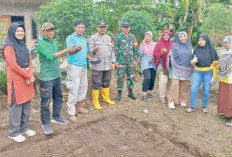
x: 50, y: 77
x: 126, y: 54
x: 100, y: 47
x: 77, y: 81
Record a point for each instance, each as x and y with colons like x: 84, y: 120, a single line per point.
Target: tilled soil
x: 124, y: 130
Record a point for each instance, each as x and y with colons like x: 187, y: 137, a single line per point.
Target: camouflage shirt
x: 125, y: 47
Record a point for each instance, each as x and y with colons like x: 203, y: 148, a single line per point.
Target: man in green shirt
x: 50, y: 77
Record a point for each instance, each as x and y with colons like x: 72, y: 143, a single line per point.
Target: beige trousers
x: 164, y: 85
x: 179, y: 91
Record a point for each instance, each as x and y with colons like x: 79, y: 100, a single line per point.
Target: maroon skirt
x: 225, y: 99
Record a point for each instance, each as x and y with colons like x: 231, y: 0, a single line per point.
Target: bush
x: 217, y: 23
x: 3, y: 82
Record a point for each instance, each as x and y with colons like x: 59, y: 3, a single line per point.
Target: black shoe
x: 119, y: 96
x: 131, y: 95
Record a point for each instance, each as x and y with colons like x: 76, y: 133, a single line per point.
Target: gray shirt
x: 105, y: 52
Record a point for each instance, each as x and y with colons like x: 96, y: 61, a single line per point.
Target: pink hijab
x: 148, y: 47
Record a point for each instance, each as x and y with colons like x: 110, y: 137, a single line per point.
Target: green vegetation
x: 191, y: 16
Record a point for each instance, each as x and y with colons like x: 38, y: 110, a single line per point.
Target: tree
x: 140, y: 22
x: 63, y: 14
x: 217, y: 22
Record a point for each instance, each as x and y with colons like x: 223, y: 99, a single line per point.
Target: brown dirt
x: 125, y: 130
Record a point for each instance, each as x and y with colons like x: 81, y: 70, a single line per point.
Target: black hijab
x: 206, y: 54
x: 21, y: 51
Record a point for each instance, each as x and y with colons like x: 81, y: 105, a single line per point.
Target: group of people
x: 175, y: 63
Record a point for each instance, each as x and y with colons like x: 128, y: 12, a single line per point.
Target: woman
x: 19, y: 82
x: 225, y: 84
x: 205, y: 60
x: 148, y: 67
x: 160, y: 56
x: 180, y: 71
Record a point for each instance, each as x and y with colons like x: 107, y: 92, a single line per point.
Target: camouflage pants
x: 128, y: 70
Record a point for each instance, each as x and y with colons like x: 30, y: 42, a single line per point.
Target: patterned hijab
x: 149, y: 47
x: 225, y: 62
x: 182, y: 52
x: 21, y: 51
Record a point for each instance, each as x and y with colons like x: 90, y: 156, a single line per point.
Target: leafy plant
x: 217, y: 22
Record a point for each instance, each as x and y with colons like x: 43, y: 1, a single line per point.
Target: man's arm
x: 116, y: 47
x: 135, y: 50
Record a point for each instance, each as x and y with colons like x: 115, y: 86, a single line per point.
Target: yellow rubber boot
x: 106, y: 96
x: 96, y: 99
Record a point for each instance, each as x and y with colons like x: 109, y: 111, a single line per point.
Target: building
x: 21, y: 11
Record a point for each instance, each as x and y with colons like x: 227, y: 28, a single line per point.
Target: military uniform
x: 126, y: 53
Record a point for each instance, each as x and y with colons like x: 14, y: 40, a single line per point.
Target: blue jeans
x: 198, y: 77
x: 50, y: 90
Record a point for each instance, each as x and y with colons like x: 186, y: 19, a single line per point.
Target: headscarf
x: 206, y: 54
x: 164, y: 44
x: 182, y: 52
x: 225, y: 62
x: 181, y: 57
x: 148, y: 47
x: 21, y: 51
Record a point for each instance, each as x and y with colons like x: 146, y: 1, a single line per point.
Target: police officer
x: 101, y: 64
x: 126, y: 55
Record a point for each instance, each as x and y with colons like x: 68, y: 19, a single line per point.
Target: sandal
x: 163, y: 101
x: 229, y: 123
x: 144, y: 98
x: 149, y: 95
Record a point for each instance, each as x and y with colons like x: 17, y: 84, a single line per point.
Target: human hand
x: 32, y: 79
x: 79, y: 47
x: 28, y: 82
x: 96, y: 49
x: 113, y: 66
x: 170, y: 52
x: 117, y: 65
x: 70, y: 49
x: 135, y: 64
x: 213, y: 80
x: 163, y: 51
x: 195, y: 59
x: 215, y: 63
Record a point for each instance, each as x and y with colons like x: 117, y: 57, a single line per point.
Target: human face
x: 183, y: 38
x: 19, y: 34
x: 166, y: 37
x: 80, y: 29
x: 148, y: 37
x: 101, y: 30
x: 126, y: 30
x: 226, y: 45
x: 201, y: 42
x: 49, y: 34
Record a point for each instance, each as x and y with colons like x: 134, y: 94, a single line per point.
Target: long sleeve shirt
x: 105, y: 52
x: 17, y: 76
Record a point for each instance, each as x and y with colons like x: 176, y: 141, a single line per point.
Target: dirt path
x: 125, y: 130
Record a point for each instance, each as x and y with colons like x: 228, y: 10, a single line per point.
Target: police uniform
x: 101, y: 72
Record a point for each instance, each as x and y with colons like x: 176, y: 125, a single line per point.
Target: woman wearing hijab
x: 19, y: 82
x: 225, y: 84
x: 180, y: 71
x: 148, y: 67
x: 160, y: 56
x: 205, y: 60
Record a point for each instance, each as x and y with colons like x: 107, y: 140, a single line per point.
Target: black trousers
x: 101, y: 79
x: 149, y: 79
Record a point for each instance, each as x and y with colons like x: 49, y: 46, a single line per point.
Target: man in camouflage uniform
x: 126, y: 56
